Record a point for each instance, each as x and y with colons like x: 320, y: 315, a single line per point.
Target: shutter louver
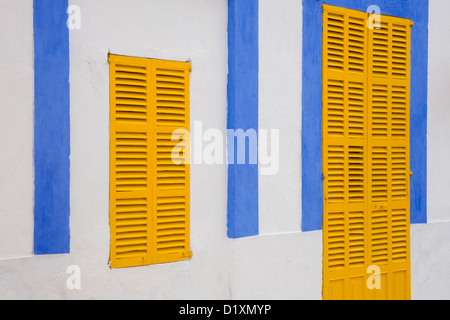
x: 149, y: 194
x: 366, y: 155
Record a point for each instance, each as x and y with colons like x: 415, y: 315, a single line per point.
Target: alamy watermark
x: 74, y: 280
x: 374, y: 280
x: 74, y: 19
x: 374, y: 20
x: 235, y: 147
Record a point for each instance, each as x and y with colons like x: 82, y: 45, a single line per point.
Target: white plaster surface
x: 438, y: 112
x: 430, y: 243
x: 280, y: 92
x: 16, y: 128
x: 285, y: 266
x: 430, y: 258
x: 171, y: 30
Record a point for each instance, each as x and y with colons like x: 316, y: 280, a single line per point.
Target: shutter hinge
x: 189, y: 61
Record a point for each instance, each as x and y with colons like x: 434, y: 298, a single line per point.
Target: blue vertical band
x: 419, y: 110
x: 243, y: 61
x: 312, y: 194
x: 51, y: 128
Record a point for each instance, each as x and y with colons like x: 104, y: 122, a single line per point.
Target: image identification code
x: 226, y: 310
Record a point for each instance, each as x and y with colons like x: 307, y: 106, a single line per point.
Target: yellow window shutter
x: 366, y: 155
x: 149, y: 193
x: 172, y: 180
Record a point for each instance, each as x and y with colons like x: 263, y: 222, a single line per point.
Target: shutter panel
x: 149, y: 193
x: 171, y: 198
x: 389, y: 51
x: 345, y: 116
x: 366, y: 155
x: 130, y: 217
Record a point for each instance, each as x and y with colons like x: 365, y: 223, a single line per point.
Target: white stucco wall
x: 172, y: 30
x: 280, y: 98
x: 271, y: 267
x: 281, y: 263
x: 430, y: 243
x: 438, y: 112
x: 280, y: 94
x: 16, y: 128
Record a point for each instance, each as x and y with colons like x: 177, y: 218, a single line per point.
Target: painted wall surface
x: 283, y: 266
x: 282, y: 262
x: 430, y: 243
x: 51, y: 128
x: 438, y: 113
x: 172, y: 30
x: 242, y: 116
x: 280, y: 91
x: 16, y: 128
x: 281, y: 248
x: 430, y: 247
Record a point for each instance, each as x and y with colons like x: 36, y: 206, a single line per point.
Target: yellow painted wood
x: 171, y: 198
x: 149, y: 193
x: 366, y: 155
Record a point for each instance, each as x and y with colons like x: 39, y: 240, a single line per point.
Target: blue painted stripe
x: 51, y: 128
x: 419, y: 110
x: 312, y: 194
x: 243, y: 61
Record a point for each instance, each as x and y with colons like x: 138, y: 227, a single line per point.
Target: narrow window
x: 149, y: 182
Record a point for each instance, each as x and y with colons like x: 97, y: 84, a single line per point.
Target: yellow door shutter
x: 389, y: 83
x: 345, y: 152
x: 366, y: 155
x: 149, y: 193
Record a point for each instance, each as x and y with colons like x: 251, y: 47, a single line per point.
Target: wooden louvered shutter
x: 345, y: 150
x: 366, y: 155
x: 171, y: 183
x: 130, y: 145
x: 389, y: 77
x: 149, y: 193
